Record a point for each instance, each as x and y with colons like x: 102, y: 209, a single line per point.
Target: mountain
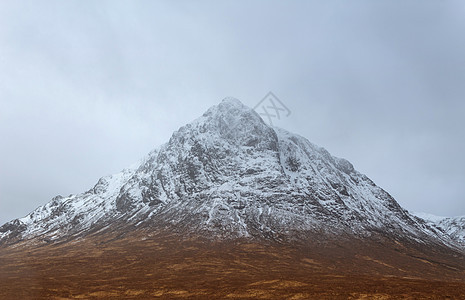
x: 229, y: 207
x: 231, y: 175
x: 454, y: 227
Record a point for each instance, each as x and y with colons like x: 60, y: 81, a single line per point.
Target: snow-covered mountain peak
x: 231, y: 101
x: 228, y: 105
x: 428, y: 216
x: 454, y: 227
x: 229, y: 122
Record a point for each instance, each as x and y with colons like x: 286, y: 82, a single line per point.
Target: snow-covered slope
x: 228, y: 174
x: 454, y: 227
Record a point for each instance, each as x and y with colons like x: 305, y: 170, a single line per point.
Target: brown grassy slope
x: 142, y: 267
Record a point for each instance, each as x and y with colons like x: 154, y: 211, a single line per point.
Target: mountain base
x: 148, y: 265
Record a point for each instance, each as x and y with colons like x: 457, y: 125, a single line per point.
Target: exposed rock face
x: 231, y: 175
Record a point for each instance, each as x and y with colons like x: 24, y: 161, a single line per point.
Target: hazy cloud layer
x: 89, y: 87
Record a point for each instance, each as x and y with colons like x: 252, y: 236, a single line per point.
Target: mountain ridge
x: 454, y: 227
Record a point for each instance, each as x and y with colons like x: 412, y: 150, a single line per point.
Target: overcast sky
x: 87, y: 88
